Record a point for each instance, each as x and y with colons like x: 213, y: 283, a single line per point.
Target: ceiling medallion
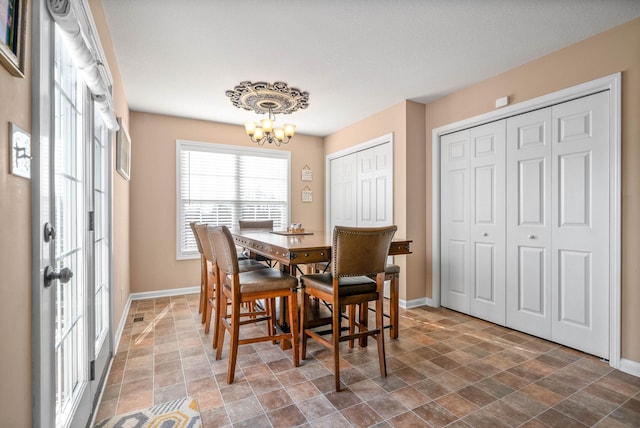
x: 272, y: 99
x: 262, y: 97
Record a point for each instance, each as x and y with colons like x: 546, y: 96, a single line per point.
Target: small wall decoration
x: 307, y: 194
x: 123, y: 151
x: 20, y: 151
x: 307, y: 174
x: 13, y: 26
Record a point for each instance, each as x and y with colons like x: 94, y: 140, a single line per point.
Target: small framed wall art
x: 307, y: 194
x: 307, y: 174
x: 123, y: 152
x: 20, y: 151
x: 13, y: 26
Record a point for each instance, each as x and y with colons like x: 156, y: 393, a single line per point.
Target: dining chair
x: 238, y: 287
x: 357, y: 254
x: 203, y: 271
x: 210, y: 278
x: 257, y: 224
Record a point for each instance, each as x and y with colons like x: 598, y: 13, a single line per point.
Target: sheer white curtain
x: 84, y: 57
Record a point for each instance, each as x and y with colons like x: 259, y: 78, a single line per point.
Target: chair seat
x: 264, y: 280
x: 392, y: 269
x: 348, y: 285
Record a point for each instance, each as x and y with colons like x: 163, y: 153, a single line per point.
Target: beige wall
x: 607, y: 53
x: 15, y: 255
x: 406, y: 122
x: 153, y: 193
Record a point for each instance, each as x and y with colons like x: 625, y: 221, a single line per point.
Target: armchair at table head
x: 255, y: 224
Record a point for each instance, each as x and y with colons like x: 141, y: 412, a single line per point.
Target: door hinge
x: 92, y: 369
x: 91, y: 221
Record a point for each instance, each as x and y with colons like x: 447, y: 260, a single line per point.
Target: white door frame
x: 387, y: 138
x: 612, y: 83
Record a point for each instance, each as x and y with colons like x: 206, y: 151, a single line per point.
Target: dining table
x: 291, y: 249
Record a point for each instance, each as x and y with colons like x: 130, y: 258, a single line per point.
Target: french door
x: 72, y: 305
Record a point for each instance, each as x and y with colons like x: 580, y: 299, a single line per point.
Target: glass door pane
x: 71, y: 345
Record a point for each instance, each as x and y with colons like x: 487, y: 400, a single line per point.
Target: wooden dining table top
x: 297, y: 248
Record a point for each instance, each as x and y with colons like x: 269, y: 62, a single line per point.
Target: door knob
x: 532, y: 236
x: 50, y: 275
x: 485, y: 234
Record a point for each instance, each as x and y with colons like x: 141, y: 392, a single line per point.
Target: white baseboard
x: 123, y: 321
x: 629, y: 366
x: 165, y: 293
x: 409, y: 304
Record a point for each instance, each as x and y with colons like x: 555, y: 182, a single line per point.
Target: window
x: 220, y: 184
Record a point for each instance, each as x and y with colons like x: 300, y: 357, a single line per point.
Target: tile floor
x: 447, y: 369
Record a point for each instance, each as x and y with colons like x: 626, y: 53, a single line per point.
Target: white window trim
x: 226, y: 148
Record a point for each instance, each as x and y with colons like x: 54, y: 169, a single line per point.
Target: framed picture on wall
x: 123, y: 152
x: 13, y: 26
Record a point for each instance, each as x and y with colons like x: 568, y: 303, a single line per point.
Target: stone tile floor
x: 446, y: 369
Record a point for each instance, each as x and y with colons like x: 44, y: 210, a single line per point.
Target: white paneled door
x: 472, y: 234
x: 525, y: 222
x: 361, y: 186
x: 580, y: 224
x: 487, y: 232
x: 455, y: 229
x: 343, y: 191
x: 529, y: 223
x: 374, y: 196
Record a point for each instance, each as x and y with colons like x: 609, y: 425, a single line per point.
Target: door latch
x: 51, y: 275
x: 49, y: 232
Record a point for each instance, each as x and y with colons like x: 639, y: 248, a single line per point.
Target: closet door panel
x: 455, y: 214
x: 375, y: 180
x: 487, y: 233
x: 528, y: 212
x: 343, y: 191
x: 580, y: 225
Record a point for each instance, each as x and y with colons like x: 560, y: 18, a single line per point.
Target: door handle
x: 51, y: 275
x: 485, y: 234
x: 532, y: 236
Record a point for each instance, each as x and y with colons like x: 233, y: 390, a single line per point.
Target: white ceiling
x: 354, y: 57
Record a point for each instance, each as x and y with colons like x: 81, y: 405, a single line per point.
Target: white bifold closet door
x: 558, y: 223
x: 473, y: 237
x: 525, y: 222
x: 529, y: 223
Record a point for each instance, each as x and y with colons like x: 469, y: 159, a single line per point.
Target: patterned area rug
x: 182, y: 413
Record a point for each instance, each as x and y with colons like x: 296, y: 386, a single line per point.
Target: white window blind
x: 220, y: 184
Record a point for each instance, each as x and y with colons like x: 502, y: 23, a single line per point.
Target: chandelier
x: 272, y: 99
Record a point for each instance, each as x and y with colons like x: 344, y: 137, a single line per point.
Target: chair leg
x: 217, y: 301
x: 394, y: 302
x: 352, y: 322
x: 235, y: 335
x: 303, y: 321
x: 337, y: 319
x: 364, y: 321
x: 219, y: 332
x: 270, y: 307
x: 204, y: 292
x: 203, y: 272
x: 293, y: 321
x: 208, y: 307
x: 380, y: 336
